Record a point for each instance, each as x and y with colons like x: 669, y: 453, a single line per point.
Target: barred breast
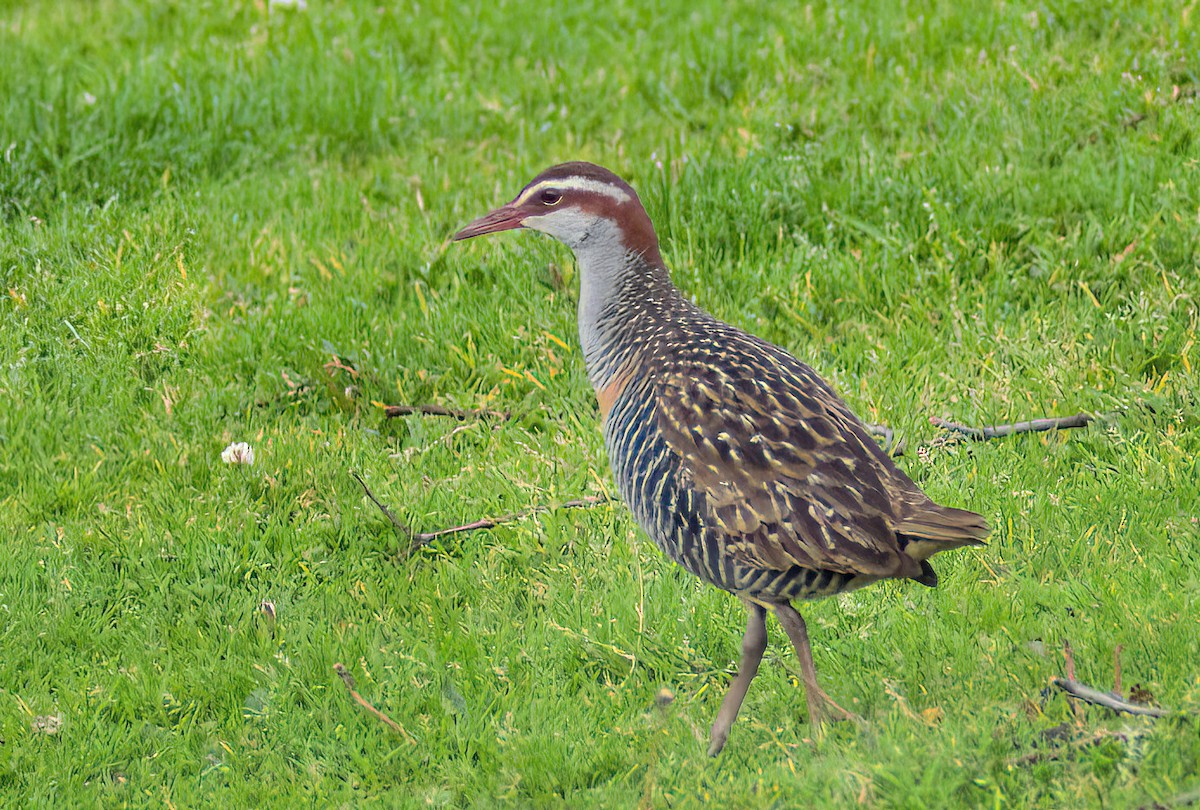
x: 652, y: 480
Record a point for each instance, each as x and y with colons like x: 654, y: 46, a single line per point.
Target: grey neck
x: 601, y: 275
x: 618, y: 291
x: 623, y: 294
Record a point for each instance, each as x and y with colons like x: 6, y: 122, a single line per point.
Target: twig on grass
x: 393, y: 411
x: 418, y: 539
x: 402, y: 530
x: 348, y: 680
x: 421, y: 538
x: 1109, y: 700
x: 894, y: 448
x: 1106, y: 699
x: 998, y: 431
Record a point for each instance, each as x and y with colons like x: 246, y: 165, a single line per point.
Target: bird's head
x: 582, y: 205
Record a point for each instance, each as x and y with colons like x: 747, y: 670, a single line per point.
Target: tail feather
x: 940, y: 528
x: 945, y: 523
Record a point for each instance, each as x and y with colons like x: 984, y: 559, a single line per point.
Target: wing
x: 789, y: 475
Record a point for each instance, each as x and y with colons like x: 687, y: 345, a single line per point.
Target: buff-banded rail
x: 737, y: 459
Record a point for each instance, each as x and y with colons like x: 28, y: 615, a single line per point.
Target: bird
x: 737, y: 459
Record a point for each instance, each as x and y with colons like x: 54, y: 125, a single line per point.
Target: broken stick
x: 348, y: 680
x: 418, y: 539
x: 1109, y: 700
x: 999, y: 431
x: 1106, y: 699
x: 421, y: 538
x: 404, y: 532
x: 393, y: 411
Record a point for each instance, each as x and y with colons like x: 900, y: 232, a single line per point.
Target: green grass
x: 974, y: 210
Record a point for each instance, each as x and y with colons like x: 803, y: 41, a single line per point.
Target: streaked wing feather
x: 781, y: 462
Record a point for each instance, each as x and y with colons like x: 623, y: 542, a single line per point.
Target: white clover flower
x: 46, y: 724
x: 238, y: 453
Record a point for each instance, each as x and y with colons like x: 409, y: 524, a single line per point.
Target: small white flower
x: 46, y: 724
x: 238, y: 453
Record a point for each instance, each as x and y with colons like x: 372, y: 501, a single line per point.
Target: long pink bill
x: 502, y: 219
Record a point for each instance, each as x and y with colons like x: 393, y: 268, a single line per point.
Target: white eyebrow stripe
x: 576, y: 184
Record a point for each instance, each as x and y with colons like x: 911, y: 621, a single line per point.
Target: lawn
x: 229, y: 222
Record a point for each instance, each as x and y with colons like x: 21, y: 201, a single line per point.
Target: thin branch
x: 418, y: 539
x: 1111, y: 700
x: 348, y: 680
x: 421, y: 538
x: 402, y: 530
x: 999, y: 431
x: 393, y: 411
x: 1106, y: 699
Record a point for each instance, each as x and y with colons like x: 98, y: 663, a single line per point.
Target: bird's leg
x: 753, y: 645
x: 820, y: 706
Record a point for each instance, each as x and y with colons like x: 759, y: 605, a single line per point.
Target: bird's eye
x: 550, y: 197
